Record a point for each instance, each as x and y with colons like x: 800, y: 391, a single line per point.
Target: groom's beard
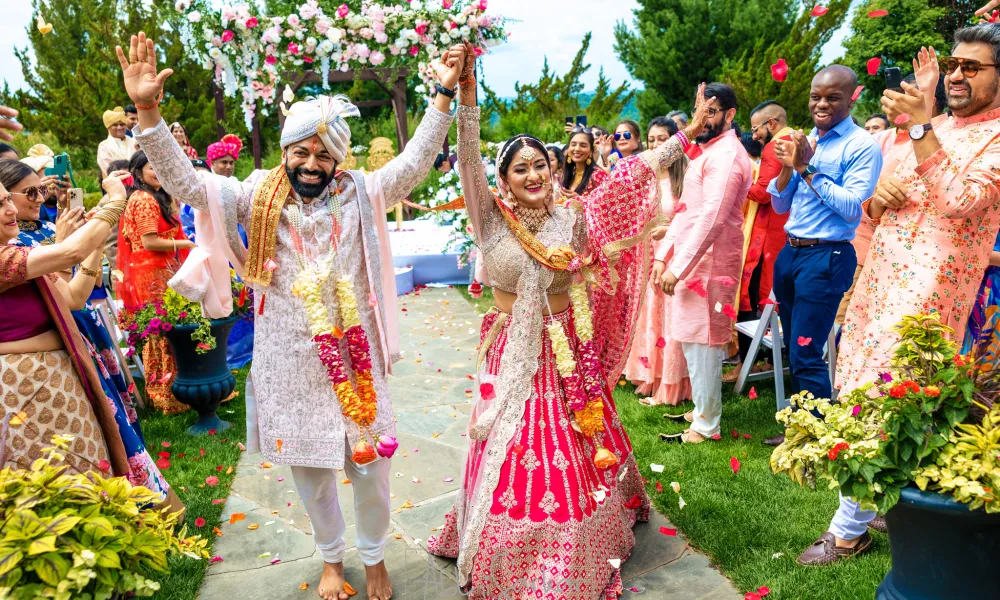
x: 308, y: 190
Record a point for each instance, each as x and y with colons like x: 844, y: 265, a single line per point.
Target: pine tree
x: 750, y: 74
x: 606, y: 106
x: 677, y: 44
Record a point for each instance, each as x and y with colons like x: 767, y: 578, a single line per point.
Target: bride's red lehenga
x: 536, y: 516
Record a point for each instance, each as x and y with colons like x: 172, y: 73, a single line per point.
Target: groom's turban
x: 323, y: 116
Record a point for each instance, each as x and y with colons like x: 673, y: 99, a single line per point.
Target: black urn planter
x: 203, y: 380
x: 941, y: 550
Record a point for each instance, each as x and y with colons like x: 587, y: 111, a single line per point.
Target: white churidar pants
x: 318, y: 489
x: 850, y: 521
x: 705, y: 370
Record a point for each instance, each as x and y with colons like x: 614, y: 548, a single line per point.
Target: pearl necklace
x: 533, y: 219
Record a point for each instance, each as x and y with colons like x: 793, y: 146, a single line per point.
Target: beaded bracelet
x: 685, y: 142
x: 155, y: 104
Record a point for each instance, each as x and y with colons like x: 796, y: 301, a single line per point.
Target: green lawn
x: 743, y: 521
x: 187, y: 475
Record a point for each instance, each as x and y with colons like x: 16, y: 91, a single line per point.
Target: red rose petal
x: 873, y: 65
x: 729, y: 311
x: 668, y: 531
x: 659, y: 486
x: 734, y: 464
x: 736, y: 434
x: 747, y: 436
x: 202, y: 451
x: 104, y: 466
x: 857, y: 93
x: 162, y: 463
x: 212, y: 481
x: 679, y: 208
x: 218, y: 501
x: 660, y: 342
x: 164, y: 455
x: 753, y: 393
x: 767, y: 301
x: 165, y: 444
x: 486, y: 391
x: 818, y: 11
x: 751, y: 596
x: 645, y: 361
x: 716, y: 437
x: 903, y: 118
x: 763, y: 591
x: 804, y: 341
x: 211, y: 432
x: 779, y: 70
x: 878, y: 13
x: 218, y: 469
x: 199, y: 522
x: 697, y: 286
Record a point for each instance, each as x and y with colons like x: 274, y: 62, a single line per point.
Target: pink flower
x: 227, y: 36
x: 216, y: 41
x: 421, y: 28
x: 446, y: 4
x: 293, y: 20
x: 482, y: 4
x: 251, y: 22
x: 269, y: 59
x: 343, y: 11
x: 453, y: 25
x: 377, y: 58
x: 293, y: 48
x: 478, y: 51
x: 414, y: 51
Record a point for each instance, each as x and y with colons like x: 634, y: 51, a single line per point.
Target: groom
x: 319, y: 262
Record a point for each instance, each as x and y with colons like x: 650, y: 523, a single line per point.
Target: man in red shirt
x: 763, y: 229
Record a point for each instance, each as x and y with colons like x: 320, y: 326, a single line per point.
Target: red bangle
x: 157, y: 103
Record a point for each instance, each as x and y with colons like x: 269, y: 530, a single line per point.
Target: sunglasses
x: 32, y: 193
x: 969, y: 66
x: 627, y: 135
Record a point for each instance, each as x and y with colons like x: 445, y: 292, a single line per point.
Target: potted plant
x: 921, y: 444
x: 203, y: 377
x: 81, y: 536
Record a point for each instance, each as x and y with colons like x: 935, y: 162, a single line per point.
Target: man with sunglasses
x: 763, y: 227
x: 935, y: 219
x: 822, y: 186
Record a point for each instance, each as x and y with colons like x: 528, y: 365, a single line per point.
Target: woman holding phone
x: 581, y: 174
x: 151, y: 247
x: 60, y: 389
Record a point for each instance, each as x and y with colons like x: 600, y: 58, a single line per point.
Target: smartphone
x: 893, y: 78
x: 581, y: 120
x: 569, y: 120
x: 75, y: 196
x: 60, y: 165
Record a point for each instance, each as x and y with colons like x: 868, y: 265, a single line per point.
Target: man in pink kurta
x: 704, y: 249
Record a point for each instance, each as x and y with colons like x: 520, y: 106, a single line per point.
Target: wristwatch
x: 443, y: 90
x: 919, y: 131
x: 810, y: 170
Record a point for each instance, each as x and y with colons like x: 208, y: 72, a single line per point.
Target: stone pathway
x: 439, y: 332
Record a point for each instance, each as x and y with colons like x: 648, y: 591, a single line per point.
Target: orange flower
x: 591, y: 418
x: 363, y: 453
x: 933, y: 391
x: 604, y: 458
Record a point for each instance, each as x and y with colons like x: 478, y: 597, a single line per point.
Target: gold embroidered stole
x: 557, y: 259
x: 268, y: 202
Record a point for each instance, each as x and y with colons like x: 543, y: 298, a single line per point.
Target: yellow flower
x: 565, y: 362
x: 583, y: 319
x: 348, y: 303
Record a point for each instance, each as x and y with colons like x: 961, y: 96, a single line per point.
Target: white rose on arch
x: 334, y: 34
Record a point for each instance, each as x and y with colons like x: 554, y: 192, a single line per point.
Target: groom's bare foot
x: 331, y: 585
x: 379, y: 586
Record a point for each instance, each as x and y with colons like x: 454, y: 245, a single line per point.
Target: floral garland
x: 249, y: 51
x: 584, y: 395
x: 358, y: 400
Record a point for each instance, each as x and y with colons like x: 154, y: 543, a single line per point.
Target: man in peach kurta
x: 704, y: 250
x: 936, y: 216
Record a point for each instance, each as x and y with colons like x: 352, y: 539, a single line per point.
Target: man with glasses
x: 703, y: 249
x: 763, y: 228
x: 935, y: 218
x: 822, y: 186
x: 118, y: 146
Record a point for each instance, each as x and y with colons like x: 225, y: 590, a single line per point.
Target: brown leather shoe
x: 733, y: 374
x: 824, y: 551
x: 775, y: 441
x: 878, y: 524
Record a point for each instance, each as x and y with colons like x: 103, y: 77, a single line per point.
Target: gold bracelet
x: 89, y: 272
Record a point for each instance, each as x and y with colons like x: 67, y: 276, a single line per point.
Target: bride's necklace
x: 533, y: 219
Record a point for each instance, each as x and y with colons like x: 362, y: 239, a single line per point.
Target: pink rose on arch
x: 377, y: 58
x: 251, y: 22
x: 381, y: 37
x: 307, y: 12
x: 478, y: 51
x: 307, y: 59
x: 270, y: 59
x: 343, y: 11
x: 322, y: 26
x: 446, y: 4
x: 414, y: 51
x: 216, y: 41
x: 227, y: 36
x: 293, y: 48
x: 421, y: 28
x: 482, y: 4
x: 452, y: 25
x: 293, y: 20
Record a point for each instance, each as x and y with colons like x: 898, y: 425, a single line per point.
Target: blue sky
x: 553, y: 28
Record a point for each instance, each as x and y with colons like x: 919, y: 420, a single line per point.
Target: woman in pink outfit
x: 656, y: 364
x: 550, y: 489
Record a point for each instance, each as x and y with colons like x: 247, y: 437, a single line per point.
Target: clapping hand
x: 912, y: 102
x: 143, y: 83
x: 927, y: 73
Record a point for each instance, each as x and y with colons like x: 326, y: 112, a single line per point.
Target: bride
x: 551, y: 490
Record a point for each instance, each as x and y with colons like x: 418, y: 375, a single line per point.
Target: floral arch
x: 252, y: 54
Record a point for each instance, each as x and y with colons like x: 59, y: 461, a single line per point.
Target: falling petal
x: 165, y: 444
x: 875, y: 14
x: 253, y: 526
x: 279, y: 443
x: 779, y: 70
x: 697, y: 286
x: 18, y: 419
x: 718, y: 307
x: 162, y: 463
x: 873, y: 65
x: 660, y: 342
x: 818, y: 11
x: 645, y: 361
x: 804, y: 341
x: 753, y: 393
x: 725, y: 280
x: 659, y: 486
x: 215, y: 559
x: 448, y: 479
x: 729, y: 311
x: 902, y: 118
x: 304, y: 586
x: 680, y: 207
x: 734, y: 464
x: 668, y: 531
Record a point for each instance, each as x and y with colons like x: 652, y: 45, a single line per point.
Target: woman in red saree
x: 551, y: 490
x: 151, y: 247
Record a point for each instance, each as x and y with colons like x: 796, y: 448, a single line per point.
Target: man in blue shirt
x: 823, y: 183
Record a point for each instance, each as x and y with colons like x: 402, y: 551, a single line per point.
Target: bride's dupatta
x: 619, y: 216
